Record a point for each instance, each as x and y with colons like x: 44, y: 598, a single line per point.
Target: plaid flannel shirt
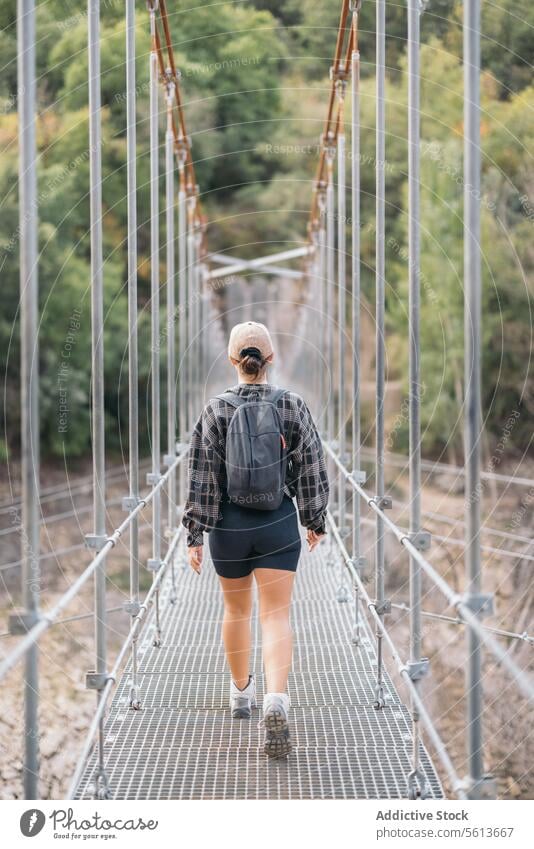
x: 308, y: 480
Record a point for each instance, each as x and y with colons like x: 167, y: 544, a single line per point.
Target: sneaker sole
x: 277, y: 742
x: 243, y: 712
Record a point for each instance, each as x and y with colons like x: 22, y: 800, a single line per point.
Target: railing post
x: 191, y: 295
x: 417, y: 785
x: 206, y: 325
x: 313, y: 302
x: 98, y: 539
x: 355, y: 306
x: 380, y: 324
x: 171, y: 339
x: 198, y: 321
x: 182, y: 308
x: 479, y: 784
x: 29, y: 390
x: 321, y: 204
x: 330, y: 151
x: 201, y: 334
x: 193, y: 342
x: 154, y: 563
x: 342, y: 593
x: 133, y: 380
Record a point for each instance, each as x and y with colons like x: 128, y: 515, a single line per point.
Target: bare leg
x: 237, y: 594
x: 274, y: 589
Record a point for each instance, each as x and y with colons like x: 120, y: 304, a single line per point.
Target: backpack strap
x: 238, y: 400
x: 232, y: 398
x: 276, y: 395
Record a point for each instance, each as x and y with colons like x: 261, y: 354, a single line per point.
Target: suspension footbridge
x: 361, y: 721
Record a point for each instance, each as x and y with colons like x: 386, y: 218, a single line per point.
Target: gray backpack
x: 256, y: 455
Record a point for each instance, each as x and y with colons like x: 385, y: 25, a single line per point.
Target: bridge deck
x: 183, y: 744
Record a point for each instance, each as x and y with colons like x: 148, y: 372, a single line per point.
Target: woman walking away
x: 253, y: 450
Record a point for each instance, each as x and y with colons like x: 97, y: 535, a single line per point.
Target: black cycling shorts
x: 245, y: 539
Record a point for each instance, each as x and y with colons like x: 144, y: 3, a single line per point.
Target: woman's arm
x: 202, y: 507
x: 311, y: 479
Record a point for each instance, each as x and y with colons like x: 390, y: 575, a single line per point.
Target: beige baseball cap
x: 250, y: 334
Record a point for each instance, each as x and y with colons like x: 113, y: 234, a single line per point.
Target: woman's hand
x: 313, y: 538
x: 194, y: 554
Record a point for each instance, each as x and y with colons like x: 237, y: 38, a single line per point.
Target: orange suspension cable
x: 340, y: 70
x: 182, y: 142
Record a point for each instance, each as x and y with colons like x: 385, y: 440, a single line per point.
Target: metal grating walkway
x: 183, y: 744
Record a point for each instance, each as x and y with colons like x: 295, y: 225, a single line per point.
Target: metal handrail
x: 458, y: 543
x: 392, y: 459
x: 501, y: 632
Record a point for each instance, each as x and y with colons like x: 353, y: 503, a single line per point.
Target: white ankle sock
x: 247, y: 685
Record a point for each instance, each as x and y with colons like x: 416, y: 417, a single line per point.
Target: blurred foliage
x: 255, y: 83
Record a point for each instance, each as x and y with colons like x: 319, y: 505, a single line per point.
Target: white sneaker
x: 242, y: 701
x: 277, y: 743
